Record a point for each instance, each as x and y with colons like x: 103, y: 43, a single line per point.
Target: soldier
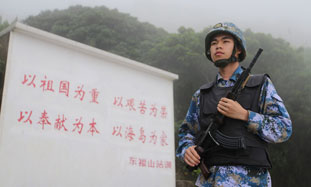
x: 258, y: 116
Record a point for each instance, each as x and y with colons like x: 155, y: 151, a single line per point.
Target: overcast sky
x: 288, y: 19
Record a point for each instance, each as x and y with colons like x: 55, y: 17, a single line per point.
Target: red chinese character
x: 47, y: 85
x: 133, y: 161
x: 59, y: 123
x: 28, y: 118
x: 31, y: 82
x: 117, y: 131
x: 153, y: 110
x: 163, y: 112
x: 151, y: 164
x: 142, y: 162
x: 142, y: 107
x: 94, y: 94
x: 44, y: 119
x: 163, y: 139
x: 118, y: 101
x: 130, y: 104
x: 153, y: 137
x: 129, y: 133
x: 142, y: 136
x: 168, y: 164
x: 64, y: 87
x: 93, y: 129
x: 80, y: 93
x: 159, y: 164
x: 78, y: 125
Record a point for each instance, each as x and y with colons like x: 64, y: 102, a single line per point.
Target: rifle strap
x: 244, y: 83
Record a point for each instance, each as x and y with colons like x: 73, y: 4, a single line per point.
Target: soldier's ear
x: 238, y: 50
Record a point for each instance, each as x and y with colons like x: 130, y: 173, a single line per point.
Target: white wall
x: 32, y: 154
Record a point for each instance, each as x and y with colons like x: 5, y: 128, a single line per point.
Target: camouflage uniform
x: 272, y: 124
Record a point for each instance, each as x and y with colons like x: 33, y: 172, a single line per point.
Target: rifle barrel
x: 255, y: 58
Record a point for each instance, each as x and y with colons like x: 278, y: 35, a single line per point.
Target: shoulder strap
x: 207, y: 85
x: 255, y: 80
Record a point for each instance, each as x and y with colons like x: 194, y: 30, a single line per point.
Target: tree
x: 100, y: 27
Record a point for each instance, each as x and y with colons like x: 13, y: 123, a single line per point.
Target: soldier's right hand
x: 191, y: 157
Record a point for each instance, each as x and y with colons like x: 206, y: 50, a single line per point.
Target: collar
x: 236, y: 74
x: 221, y: 82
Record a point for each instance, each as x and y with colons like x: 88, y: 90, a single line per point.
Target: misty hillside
x: 183, y: 53
x: 100, y: 27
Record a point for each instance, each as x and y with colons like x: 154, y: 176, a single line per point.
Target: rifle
x: 212, y: 132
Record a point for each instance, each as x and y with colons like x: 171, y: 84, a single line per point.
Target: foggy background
x: 287, y: 19
x: 181, y: 51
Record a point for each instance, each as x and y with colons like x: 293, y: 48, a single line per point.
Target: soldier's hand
x: 191, y: 157
x: 232, y: 109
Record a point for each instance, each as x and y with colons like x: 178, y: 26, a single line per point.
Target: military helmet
x: 231, y: 29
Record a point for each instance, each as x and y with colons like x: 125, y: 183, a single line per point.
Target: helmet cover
x: 228, y: 28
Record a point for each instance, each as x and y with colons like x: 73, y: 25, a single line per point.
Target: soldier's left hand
x: 232, y: 109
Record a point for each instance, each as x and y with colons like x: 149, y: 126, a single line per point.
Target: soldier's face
x: 222, y: 46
